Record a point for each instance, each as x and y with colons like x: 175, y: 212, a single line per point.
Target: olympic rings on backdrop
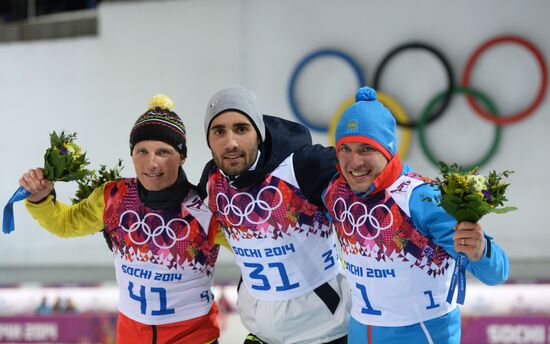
x: 435, y: 107
x: 450, y: 78
x: 506, y: 119
x: 154, y: 234
x: 301, y: 65
x: 396, y: 109
x: 467, y: 91
x: 347, y: 217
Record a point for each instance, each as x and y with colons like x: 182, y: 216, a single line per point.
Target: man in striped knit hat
x: 164, y: 250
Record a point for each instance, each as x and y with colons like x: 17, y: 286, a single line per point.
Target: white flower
x: 477, y: 182
x: 69, y: 147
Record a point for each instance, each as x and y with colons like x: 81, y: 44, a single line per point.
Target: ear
x: 182, y: 160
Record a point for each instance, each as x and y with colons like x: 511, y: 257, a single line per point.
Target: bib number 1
x: 368, y: 309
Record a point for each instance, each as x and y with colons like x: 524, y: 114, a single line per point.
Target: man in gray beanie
x: 264, y: 187
x: 238, y: 99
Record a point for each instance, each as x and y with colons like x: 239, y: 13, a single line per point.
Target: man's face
x: 233, y: 142
x: 360, y: 164
x: 157, y: 164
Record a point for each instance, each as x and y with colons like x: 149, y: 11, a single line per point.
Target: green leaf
x: 503, y: 210
x: 465, y: 214
x: 94, y: 179
x: 49, y: 171
x: 451, y: 198
x: 474, y: 205
x: 54, y: 139
x: 48, y: 168
x: 58, y: 162
x: 73, y: 176
x: 449, y: 207
x: 484, y: 208
x: 473, y: 197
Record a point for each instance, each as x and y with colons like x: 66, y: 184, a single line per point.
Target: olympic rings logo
x: 438, y: 104
x: 230, y: 207
x: 346, y: 217
x: 158, y: 231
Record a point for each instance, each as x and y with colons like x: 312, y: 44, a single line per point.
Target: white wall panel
x: 190, y: 49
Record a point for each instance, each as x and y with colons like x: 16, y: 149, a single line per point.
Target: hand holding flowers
x: 467, y: 197
x: 469, y: 239
x: 63, y: 161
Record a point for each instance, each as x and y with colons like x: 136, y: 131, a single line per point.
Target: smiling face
x: 360, y: 164
x: 157, y: 164
x: 234, y: 142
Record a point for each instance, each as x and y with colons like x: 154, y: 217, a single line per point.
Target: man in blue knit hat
x: 399, y: 250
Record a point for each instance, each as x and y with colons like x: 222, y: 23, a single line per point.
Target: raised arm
x: 60, y: 219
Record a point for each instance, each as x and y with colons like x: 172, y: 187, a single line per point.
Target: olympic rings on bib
x: 233, y: 207
x: 506, y: 119
x: 153, y: 234
x: 346, y: 217
x: 301, y: 65
x: 436, y: 113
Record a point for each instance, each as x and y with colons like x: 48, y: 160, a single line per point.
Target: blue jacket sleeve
x: 434, y: 223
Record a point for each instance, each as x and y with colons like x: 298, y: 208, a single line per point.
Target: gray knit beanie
x: 238, y: 99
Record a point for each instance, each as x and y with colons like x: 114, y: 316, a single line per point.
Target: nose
x: 356, y: 160
x: 232, y: 142
x: 152, y: 161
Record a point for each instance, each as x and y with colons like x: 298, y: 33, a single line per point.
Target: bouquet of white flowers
x: 467, y: 196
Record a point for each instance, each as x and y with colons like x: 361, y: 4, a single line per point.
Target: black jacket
x: 314, y: 165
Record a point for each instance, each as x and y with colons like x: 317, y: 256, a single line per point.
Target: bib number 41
x: 142, y: 299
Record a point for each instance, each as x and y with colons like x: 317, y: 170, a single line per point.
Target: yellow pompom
x: 161, y: 101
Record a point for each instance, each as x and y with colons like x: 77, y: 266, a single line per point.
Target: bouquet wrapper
x: 458, y: 278
x: 8, y: 224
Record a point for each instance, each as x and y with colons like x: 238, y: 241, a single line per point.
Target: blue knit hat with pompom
x: 368, y: 121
